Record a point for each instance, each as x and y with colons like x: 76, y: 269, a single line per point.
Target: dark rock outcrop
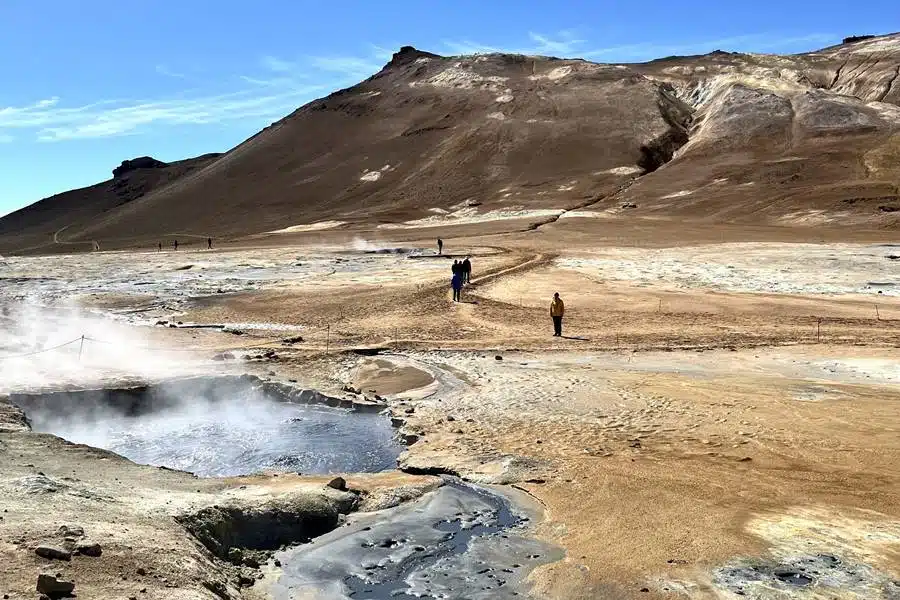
x: 142, y: 162
x: 53, y: 587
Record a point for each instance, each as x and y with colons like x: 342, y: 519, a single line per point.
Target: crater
x: 220, y: 426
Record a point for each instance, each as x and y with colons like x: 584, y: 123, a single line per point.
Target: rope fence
x: 82, y: 339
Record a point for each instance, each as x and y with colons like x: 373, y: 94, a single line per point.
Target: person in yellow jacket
x: 557, y: 310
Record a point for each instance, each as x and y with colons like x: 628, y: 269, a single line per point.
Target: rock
x: 629, y: 205
x: 53, y: 553
x: 53, y: 587
x: 277, y: 563
x: 141, y: 571
x: 450, y: 418
x: 338, y: 483
x: 235, y: 556
x: 251, y: 562
x: 498, y: 357
x: 89, y: 549
x: 410, y: 410
x: 142, y: 162
x: 73, y: 530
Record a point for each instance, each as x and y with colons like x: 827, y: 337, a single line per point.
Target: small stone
x: 450, y: 418
x: 338, y: 483
x: 141, y: 571
x: 53, y: 587
x: 498, y: 357
x: 235, y: 556
x: 74, y: 530
x: 53, y: 553
x: 277, y: 563
x: 251, y: 562
x: 89, y: 549
x: 645, y: 590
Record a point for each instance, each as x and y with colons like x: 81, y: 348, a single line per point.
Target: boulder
x: 53, y: 587
x: 142, y: 162
x: 88, y: 549
x: 53, y: 552
x: 338, y: 483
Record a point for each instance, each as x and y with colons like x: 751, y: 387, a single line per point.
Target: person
x: 440, y: 246
x: 176, y: 244
x: 557, y: 309
x: 160, y: 247
x: 456, y: 284
x: 455, y: 268
x: 467, y: 270
x: 209, y: 243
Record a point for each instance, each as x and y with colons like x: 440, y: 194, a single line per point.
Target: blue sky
x: 86, y: 84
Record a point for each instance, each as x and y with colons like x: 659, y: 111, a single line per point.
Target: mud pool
x: 216, y: 427
x: 459, y: 541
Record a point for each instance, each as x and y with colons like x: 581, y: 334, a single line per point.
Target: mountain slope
x: 764, y: 139
x: 45, y: 224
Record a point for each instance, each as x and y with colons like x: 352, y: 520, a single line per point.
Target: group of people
x: 175, y: 245
x: 462, y: 274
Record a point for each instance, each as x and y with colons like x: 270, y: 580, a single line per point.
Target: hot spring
x: 219, y: 426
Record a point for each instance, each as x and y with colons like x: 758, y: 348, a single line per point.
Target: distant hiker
x: 467, y: 270
x: 456, y: 284
x: 96, y: 246
x: 160, y: 247
x: 176, y: 245
x: 557, y: 309
x: 456, y: 268
x: 440, y: 246
x: 209, y: 243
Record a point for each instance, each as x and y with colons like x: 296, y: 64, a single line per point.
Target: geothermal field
x: 243, y: 376
x: 319, y: 420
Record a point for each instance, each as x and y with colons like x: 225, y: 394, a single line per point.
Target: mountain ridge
x: 796, y: 140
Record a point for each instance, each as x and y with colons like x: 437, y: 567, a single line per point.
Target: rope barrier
x: 141, y: 347
x: 36, y: 352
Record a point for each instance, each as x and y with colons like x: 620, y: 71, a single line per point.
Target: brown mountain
x: 805, y: 139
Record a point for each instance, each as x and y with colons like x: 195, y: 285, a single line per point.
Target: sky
x: 87, y: 84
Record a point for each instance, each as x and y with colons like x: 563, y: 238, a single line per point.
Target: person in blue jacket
x: 456, y: 283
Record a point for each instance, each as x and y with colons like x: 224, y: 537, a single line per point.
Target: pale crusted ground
x: 685, y: 422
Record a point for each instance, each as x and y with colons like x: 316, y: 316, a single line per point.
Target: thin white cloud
x: 278, y: 65
x: 54, y: 122
x: 6, y: 139
x: 749, y: 43
x: 567, y: 44
x: 257, y: 97
x: 351, y: 67
x: 167, y: 72
x: 562, y: 44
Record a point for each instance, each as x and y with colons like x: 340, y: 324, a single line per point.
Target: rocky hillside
x: 53, y: 223
x: 806, y: 139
